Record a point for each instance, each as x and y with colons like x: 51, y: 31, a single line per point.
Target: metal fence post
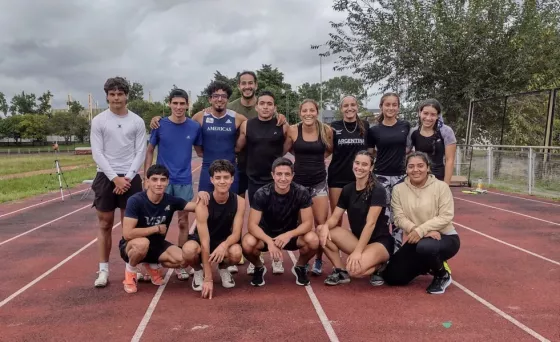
x: 458, y: 161
x: 531, y: 171
x: 489, y: 164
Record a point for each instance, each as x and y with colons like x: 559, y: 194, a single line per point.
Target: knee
x: 106, y: 222
x: 191, y: 250
x: 248, y: 243
x: 427, y: 247
x: 234, y: 254
x: 138, y: 248
x: 311, y: 240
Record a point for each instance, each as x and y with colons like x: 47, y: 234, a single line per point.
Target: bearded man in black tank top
x: 263, y: 142
x: 218, y: 228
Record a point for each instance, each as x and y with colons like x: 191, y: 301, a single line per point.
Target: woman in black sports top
x: 311, y: 142
x: 435, y: 139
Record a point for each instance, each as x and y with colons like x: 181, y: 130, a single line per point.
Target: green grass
x: 34, y: 149
x: 15, y: 164
x: 19, y: 188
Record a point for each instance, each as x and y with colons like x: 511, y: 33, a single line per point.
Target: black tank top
x: 347, y: 141
x: 220, y: 217
x: 310, y: 161
x: 265, y: 143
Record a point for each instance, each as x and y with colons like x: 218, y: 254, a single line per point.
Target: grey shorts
x: 319, y: 190
x: 184, y: 191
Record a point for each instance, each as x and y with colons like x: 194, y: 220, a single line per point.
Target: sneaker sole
x: 377, y: 283
x: 263, y: 282
x: 445, y: 286
x: 297, y: 281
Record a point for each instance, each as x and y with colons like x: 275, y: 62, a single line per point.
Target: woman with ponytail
x: 311, y: 142
x: 435, y: 139
x: 368, y: 243
x: 349, y: 137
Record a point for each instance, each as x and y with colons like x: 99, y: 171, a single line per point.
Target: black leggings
x: 412, y: 260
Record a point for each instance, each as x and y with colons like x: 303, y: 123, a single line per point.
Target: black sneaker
x: 440, y: 283
x: 337, y: 276
x: 376, y: 278
x: 301, y: 275
x: 258, y: 276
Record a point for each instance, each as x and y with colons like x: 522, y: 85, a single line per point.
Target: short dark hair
x: 221, y: 165
x: 267, y: 93
x: 430, y: 103
x: 282, y: 161
x: 247, y: 73
x: 157, y: 169
x: 178, y: 93
x: 218, y: 85
x: 116, y: 83
x: 421, y: 155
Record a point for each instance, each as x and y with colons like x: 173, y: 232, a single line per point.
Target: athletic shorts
x: 105, y: 200
x: 386, y: 240
x: 156, y: 249
x: 204, y: 183
x: 338, y: 184
x: 242, y: 182
x: 290, y: 246
x: 213, y: 243
x: 184, y: 191
x: 318, y: 190
x: 253, y: 187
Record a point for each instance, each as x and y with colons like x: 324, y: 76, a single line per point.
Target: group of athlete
x: 387, y: 178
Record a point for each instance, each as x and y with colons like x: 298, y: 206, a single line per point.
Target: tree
x: 34, y: 127
x: 80, y: 128
x: 75, y: 107
x: 23, y: 104
x: 44, y: 106
x: 10, y: 127
x: 136, y: 91
x: 451, y: 50
x: 3, y: 104
x: 309, y: 91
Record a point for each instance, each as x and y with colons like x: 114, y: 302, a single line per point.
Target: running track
x: 506, y: 286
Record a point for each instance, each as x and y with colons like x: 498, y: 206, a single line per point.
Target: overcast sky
x: 74, y: 46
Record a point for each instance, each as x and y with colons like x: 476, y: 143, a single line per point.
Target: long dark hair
x: 359, y: 121
x: 383, y: 98
x: 437, y: 125
x: 372, y: 180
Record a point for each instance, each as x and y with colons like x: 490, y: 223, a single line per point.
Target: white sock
x: 154, y: 266
x: 104, y: 266
x: 131, y: 268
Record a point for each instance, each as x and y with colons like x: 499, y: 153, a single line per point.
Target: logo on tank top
x: 338, y: 132
x: 228, y: 121
x: 209, y: 120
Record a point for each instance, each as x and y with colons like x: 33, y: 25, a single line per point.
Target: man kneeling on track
x: 368, y: 243
x: 273, y: 223
x: 218, y: 230
x: 146, y: 221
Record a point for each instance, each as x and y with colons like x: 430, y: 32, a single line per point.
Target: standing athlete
x: 175, y: 139
x: 218, y: 229
x: 147, y: 219
x: 275, y: 224
x: 118, y: 146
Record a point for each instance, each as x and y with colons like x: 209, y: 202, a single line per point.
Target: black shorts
x: 290, y: 246
x: 242, y: 182
x: 253, y: 187
x: 156, y: 249
x: 386, y: 240
x: 213, y: 244
x: 337, y: 183
x: 105, y: 200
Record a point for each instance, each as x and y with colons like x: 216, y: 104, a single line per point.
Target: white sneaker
x: 102, y: 279
x: 232, y: 269
x: 182, y: 274
x: 277, y: 267
x: 198, y: 279
x: 251, y: 268
x: 227, y: 279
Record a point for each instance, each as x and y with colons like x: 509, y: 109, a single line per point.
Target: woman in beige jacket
x: 423, y: 207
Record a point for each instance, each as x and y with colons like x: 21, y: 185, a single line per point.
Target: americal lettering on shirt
x: 221, y: 129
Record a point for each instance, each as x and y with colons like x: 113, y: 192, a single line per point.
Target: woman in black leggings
x: 423, y: 207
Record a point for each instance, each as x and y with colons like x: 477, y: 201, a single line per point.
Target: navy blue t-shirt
x: 175, y: 143
x: 150, y: 214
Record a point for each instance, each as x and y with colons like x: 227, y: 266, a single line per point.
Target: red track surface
x: 64, y: 305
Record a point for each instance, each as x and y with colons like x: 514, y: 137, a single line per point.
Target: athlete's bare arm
x: 239, y: 119
x: 198, y: 117
x: 254, y: 228
x: 237, y: 227
x: 329, y: 149
x: 130, y: 231
x: 201, y: 213
x: 149, y: 158
x: 291, y: 136
x: 242, y: 139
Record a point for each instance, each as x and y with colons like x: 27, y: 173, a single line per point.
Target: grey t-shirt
x: 434, y: 146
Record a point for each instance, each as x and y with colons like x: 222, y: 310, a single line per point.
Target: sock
x: 131, y: 268
x: 104, y: 266
x: 154, y: 266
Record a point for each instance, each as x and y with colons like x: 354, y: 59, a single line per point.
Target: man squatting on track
x: 175, y: 138
x: 273, y: 223
x: 118, y: 145
x: 218, y: 229
x: 147, y: 219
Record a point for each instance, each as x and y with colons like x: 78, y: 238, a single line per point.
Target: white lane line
x: 44, y: 224
x: 54, y: 268
x: 525, y: 199
x: 318, y: 308
x: 509, y: 211
x: 501, y: 313
x: 37, y: 204
x: 148, y: 315
x: 507, y: 244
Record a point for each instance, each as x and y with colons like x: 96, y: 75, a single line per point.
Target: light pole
x: 321, y: 55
